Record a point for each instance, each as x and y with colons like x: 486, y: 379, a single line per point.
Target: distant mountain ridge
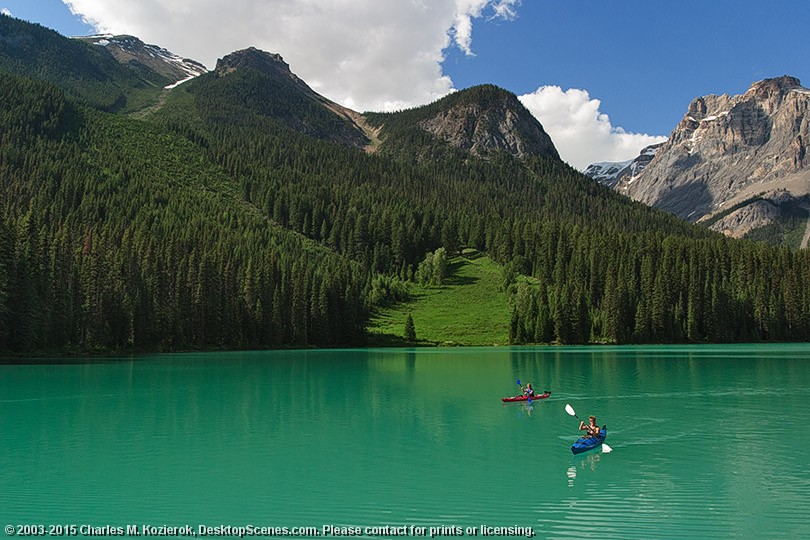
x: 86, y: 72
x: 611, y: 173
x: 479, y: 120
x: 730, y: 152
x: 130, y: 50
x: 607, y: 172
x: 122, y: 73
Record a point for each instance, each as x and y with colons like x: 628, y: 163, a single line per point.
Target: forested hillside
x: 607, y: 269
x: 116, y: 234
x: 86, y: 72
x: 245, y: 212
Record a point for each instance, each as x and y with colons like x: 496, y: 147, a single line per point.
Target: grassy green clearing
x: 468, y: 309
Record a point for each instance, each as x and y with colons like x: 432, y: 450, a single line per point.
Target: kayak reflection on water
x: 588, y: 460
x: 583, y: 462
x: 525, y: 410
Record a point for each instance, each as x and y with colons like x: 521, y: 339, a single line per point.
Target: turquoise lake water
x: 706, y: 440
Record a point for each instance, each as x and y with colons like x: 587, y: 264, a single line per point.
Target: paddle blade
x: 570, y: 410
x: 606, y: 449
x: 518, y: 382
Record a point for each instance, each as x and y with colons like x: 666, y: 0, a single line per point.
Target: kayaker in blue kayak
x: 591, y: 428
x: 528, y: 391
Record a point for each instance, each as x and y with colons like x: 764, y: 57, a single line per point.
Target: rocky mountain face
x: 738, y: 162
x: 494, y: 121
x: 611, y: 173
x: 130, y: 50
x: 482, y: 120
x: 270, y: 64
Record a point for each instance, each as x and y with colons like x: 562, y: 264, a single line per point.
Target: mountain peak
x: 480, y: 120
x: 778, y: 85
x: 130, y: 50
x: 266, y: 63
x: 731, y: 150
x: 487, y: 118
x: 253, y: 58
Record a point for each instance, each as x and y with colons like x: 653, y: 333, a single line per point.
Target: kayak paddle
x: 570, y: 410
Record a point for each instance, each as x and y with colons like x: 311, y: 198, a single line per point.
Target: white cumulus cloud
x: 581, y: 133
x: 365, y: 54
x: 467, y: 10
x: 6, y: 12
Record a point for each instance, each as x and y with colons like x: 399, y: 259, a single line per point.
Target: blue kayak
x: 584, y: 444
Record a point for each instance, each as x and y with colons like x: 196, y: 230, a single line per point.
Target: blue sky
x: 646, y: 60
x: 604, y: 77
x: 51, y: 13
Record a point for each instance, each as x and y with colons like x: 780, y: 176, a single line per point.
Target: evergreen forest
x: 239, y: 211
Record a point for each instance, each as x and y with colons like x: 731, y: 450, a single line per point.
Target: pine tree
x: 410, y: 329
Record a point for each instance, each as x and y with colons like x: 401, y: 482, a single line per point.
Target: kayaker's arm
x: 591, y: 430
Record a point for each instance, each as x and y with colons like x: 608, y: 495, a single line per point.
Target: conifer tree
x: 410, y: 329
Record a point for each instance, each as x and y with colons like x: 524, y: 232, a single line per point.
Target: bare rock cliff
x: 498, y: 124
x: 727, y: 150
x: 484, y: 121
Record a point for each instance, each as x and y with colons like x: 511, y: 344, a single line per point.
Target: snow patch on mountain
x: 606, y: 172
x: 609, y: 173
x: 181, y: 81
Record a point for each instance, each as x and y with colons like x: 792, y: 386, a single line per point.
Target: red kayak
x: 544, y: 395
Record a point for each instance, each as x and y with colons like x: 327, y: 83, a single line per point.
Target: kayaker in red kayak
x: 591, y: 428
x: 528, y: 391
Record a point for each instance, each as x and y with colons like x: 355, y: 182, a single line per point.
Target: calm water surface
x: 706, y: 441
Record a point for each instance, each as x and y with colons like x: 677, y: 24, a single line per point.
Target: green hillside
x: 85, y: 72
x: 117, y: 234
x: 469, y: 308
